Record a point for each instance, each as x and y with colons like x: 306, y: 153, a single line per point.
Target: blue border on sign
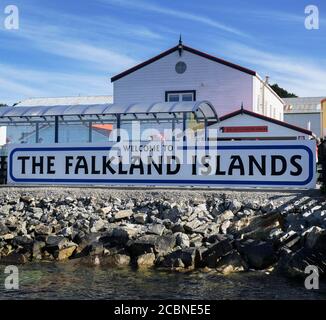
x: 178, y: 182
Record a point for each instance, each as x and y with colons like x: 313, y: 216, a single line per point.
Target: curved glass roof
x: 144, y: 111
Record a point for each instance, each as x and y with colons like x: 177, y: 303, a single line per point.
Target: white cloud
x: 25, y: 83
x: 297, y: 74
x: 57, y: 41
x: 178, y: 14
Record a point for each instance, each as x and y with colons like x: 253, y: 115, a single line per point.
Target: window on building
x: 176, y: 96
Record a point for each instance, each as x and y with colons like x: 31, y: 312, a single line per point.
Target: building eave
x: 265, y: 118
x: 185, y: 48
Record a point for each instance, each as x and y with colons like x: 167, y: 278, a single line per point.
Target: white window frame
x: 180, y: 94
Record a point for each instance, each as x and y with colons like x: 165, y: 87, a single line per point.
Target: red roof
x: 186, y: 48
x: 260, y: 116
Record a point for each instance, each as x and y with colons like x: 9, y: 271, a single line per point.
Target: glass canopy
x: 202, y: 110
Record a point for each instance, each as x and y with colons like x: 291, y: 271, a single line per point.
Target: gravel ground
x: 277, y: 196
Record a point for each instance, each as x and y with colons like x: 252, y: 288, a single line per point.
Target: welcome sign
x: 228, y: 164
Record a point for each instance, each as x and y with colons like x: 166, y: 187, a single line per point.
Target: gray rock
x: 226, y: 215
x: 231, y: 263
x: 234, y: 205
x: 56, y: 242
x: 66, y: 252
x: 42, y: 229
x: 146, y: 260
x: 152, y: 243
x: 37, y: 250
x: 69, y: 200
x: 216, y: 238
x: 115, y: 260
x: 224, y: 227
x: 3, y: 229
x: 258, y: 254
x: 290, y: 239
x: 120, y: 235
x: 256, y: 227
x: 140, y: 218
x: 105, y: 210
x: 122, y: 214
x: 37, y: 213
x: 98, y: 225
x: 66, y: 232
x: 27, y: 198
x: 157, y: 229
x: 192, y: 225
x: 182, y: 240
x: 23, y: 241
x: 213, y: 254
x: 312, y: 236
x: 172, y: 260
x: 293, y: 264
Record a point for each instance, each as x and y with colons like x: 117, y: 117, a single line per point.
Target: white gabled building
x: 186, y: 74
x: 247, y: 125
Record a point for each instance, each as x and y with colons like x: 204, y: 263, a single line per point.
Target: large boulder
x: 145, y: 260
x: 182, y: 240
x: 315, y: 238
x: 293, y: 264
x: 256, y: 227
x: 25, y: 242
x: 152, y: 243
x: 55, y: 243
x: 259, y: 255
x: 231, y: 263
x: 172, y: 260
x: 212, y: 255
x: 66, y: 252
x: 120, y: 235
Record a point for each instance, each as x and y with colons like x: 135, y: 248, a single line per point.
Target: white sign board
x: 220, y: 164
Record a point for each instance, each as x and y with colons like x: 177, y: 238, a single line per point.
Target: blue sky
x: 73, y: 47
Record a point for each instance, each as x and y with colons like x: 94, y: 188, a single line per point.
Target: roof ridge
x: 263, y: 117
x: 186, y: 48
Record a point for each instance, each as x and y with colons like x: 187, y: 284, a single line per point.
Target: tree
x: 282, y: 92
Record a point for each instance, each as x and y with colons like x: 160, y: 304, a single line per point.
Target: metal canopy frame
x: 160, y: 111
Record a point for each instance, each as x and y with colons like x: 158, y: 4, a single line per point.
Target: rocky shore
x: 226, y: 231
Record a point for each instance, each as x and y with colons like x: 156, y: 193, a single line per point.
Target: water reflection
x: 71, y: 281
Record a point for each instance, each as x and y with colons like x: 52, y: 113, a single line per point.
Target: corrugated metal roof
x: 303, y: 105
x: 63, y: 101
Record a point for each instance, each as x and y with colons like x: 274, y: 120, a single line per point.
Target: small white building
x: 247, y: 125
x: 305, y: 112
x: 186, y: 74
